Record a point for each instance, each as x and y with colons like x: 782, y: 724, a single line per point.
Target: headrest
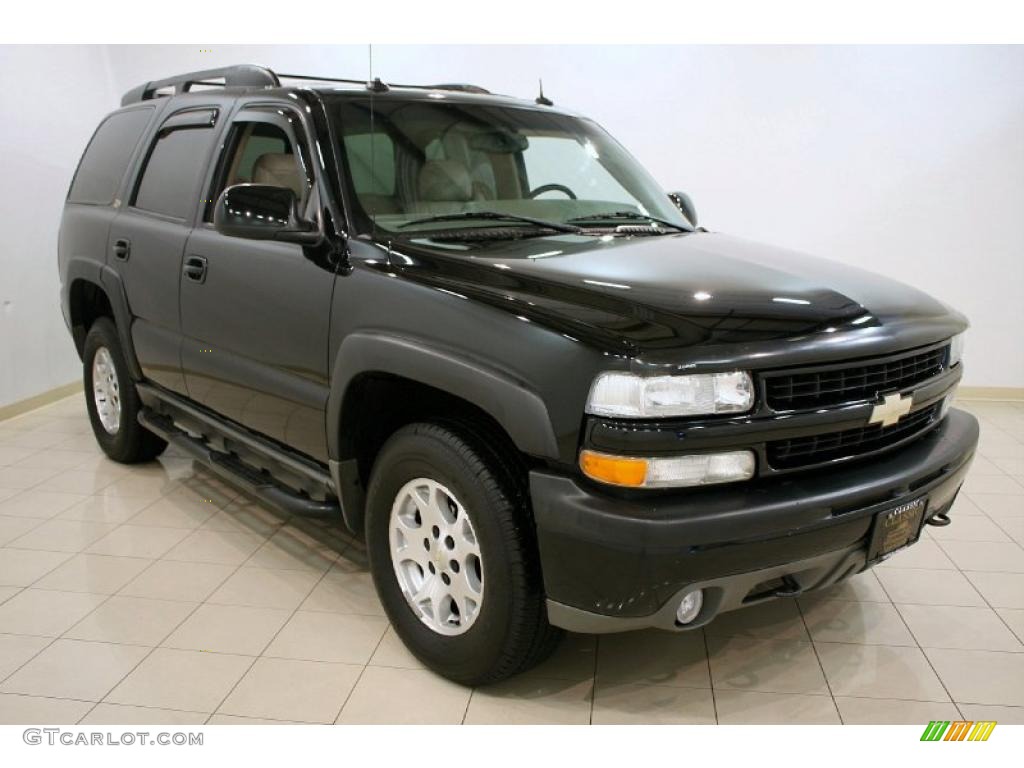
x: 279, y: 170
x: 445, y: 181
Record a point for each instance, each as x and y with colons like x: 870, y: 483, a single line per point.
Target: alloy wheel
x: 436, y: 556
x: 106, y: 390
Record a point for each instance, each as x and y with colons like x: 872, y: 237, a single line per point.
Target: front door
x: 255, y: 314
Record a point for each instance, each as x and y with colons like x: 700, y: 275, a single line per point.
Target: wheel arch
x: 395, y: 380
x: 87, y: 301
x: 95, y: 290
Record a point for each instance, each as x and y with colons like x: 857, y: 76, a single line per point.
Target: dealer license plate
x: 896, y: 528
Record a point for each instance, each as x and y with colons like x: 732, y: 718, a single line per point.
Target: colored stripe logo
x: 958, y: 730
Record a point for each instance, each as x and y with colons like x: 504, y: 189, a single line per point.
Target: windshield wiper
x: 495, y: 216
x: 631, y: 215
x: 480, y: 234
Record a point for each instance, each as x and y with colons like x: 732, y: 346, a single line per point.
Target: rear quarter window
x: 106, y: 158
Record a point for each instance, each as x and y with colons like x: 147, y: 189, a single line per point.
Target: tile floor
x: 158, y: 594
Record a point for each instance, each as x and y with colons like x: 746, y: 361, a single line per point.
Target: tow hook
x: 940, y: 519
x: 791, y: 588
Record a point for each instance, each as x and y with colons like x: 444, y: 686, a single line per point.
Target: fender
x: 114, y: 286
x: 110, y: 281
x: 519, y: 411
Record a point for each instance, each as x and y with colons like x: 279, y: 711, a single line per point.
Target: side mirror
x: 682, y: 201
x: 263, y: 212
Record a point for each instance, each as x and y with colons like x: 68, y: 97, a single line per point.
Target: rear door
x: 255, y: 322
x: 147, y: 238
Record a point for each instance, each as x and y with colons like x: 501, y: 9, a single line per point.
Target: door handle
x: 122, y: 249
x: 195, y: 268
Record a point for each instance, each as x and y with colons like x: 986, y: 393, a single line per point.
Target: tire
x: 118, y: 433
x: 508, y: 631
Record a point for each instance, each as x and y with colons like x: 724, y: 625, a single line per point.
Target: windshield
x: 420, y: 160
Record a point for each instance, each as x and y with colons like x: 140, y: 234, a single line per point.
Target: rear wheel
x: 112, y: 400
x: 453, y: 556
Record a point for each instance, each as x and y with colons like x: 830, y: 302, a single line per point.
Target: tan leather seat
x: 379, y: 204
x: 445, y: 181
x: 279, y: 170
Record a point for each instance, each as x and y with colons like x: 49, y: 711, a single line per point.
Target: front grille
x: 831, y: 446
x: 849, y: 383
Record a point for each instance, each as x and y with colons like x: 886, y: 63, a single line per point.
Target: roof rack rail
x: 314, y: 78
x: 254, y: 76
x: 243, y: 75
x: 466, y: 87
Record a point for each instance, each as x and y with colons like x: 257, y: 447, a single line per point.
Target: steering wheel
x: 551, y: 188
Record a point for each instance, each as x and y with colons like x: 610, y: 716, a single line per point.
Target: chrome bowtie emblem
x: 892, y: 408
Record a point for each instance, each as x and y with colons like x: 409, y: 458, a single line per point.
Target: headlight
x: 956, y: 349
x: 626, y: 395
x: 670, y: 471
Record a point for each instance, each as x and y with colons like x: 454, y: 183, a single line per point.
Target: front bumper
x: 612, y: 563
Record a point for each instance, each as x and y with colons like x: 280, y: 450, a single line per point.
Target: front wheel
x: 112, y: 400
x: 453, y: 556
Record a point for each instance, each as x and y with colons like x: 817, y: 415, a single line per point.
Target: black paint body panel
x: 627, y: 556
x: 276, y: 335
x: 254, y: 337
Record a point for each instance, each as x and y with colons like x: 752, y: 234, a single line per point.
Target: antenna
x: 370, y: 84
x: 542, y: 99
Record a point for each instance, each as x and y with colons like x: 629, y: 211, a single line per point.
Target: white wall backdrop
x: 908, y: 161
x: 53, y: 100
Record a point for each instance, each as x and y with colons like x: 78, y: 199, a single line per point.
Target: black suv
x: 476, y: 331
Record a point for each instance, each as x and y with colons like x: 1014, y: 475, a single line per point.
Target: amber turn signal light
x: 614, y: 470
x: 682, y: 471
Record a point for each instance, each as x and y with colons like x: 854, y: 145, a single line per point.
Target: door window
x: 259, y: 153
x: 170, y: 179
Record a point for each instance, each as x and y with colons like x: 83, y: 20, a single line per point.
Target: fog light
x: 690, y: 606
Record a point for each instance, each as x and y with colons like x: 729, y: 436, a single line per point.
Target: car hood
x: 726, y: 297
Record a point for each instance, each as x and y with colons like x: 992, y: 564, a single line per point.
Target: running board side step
x: 257, y: 483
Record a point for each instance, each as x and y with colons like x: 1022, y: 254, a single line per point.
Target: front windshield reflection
x: 412, y: 161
